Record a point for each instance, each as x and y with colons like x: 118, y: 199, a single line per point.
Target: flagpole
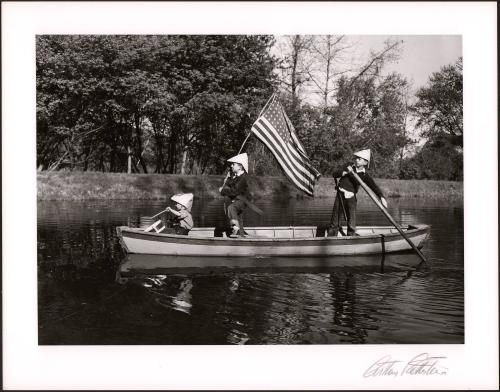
x: 265, y: 106
x: 244, y: 141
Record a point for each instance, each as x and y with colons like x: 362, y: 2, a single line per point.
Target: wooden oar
x: 252, y: 206
x: 386, y: 213
x: 161, y: 212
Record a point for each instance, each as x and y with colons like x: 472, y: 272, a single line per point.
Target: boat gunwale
x: 416, y: 228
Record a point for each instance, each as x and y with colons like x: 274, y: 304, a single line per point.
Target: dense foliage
x: 439, y: 111
x: 369, y: 113
x: 184, y: 104
x: 171, y: 103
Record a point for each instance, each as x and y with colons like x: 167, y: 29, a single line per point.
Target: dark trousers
x: 235, y: 213
x: 350, y: 209
x: 172, y: 226
x: 175, y: 230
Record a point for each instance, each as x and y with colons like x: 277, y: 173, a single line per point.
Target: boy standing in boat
x: 183, y: 220
x: 348, y: 188
x: 236, y: 189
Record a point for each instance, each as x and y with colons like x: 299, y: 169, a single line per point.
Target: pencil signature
x: 422, y: 364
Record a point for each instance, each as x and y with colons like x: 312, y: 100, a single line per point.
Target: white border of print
x: 27, y: 366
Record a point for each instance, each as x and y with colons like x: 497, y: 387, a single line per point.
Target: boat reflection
x: 138, y: 264
x: 180, y: 301
x: 274, y: 299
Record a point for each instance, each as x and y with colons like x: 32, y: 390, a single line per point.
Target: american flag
x: 274, y: 129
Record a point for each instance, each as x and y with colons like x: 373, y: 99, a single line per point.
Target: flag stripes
x: 279, y: 148
x: 297, y: 162
x: 294, y: 136
x: 274, y: 129
x: 299, y: 182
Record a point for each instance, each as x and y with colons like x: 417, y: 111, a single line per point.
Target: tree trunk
x: 129, y: 163
x: 144, y: 166
x: 139, y: 142
x: 327, y: 78
x: 172, y: 150
x: 402, y: 152
x: 159, y: 149
x: 184, y: 160
x: 295, y: 58
x: 112, y: 159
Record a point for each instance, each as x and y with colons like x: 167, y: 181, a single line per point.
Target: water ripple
x: 79, y: 272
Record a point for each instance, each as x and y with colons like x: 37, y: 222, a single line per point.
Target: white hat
x: 365, y: 154
x: 185, y: 199
x: 241, y: 159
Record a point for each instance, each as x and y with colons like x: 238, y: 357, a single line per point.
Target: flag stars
x: 288, y: 151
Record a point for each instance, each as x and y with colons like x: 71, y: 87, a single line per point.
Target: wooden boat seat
x: 155, y: 227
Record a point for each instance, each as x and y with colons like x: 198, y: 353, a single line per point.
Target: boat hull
x: 282, y: 241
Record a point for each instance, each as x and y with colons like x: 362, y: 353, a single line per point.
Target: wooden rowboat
x: 272, y: 241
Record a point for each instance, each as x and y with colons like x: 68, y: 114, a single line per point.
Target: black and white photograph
x: 343, y: 191
x: 195, y: 189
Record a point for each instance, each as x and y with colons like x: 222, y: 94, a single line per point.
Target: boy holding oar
x: 347, y: 190
x: 183, y: 220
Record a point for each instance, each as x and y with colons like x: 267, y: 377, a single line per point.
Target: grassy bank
x: 96, y: 185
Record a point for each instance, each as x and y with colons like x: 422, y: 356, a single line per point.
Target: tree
x: 370, y: 114
x: 439, y: 106
x: 439, y: 114
x: 359, y: 105
x: 372, y: 67
x: 329, y: 52
x: 295, y: 65
x: 185, y: 103
x: 436, y: 160
x: 140, y: 103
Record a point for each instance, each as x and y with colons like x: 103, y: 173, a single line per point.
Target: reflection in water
x: 91, y: 293
x: 319, y: 305
x: 182, y: 300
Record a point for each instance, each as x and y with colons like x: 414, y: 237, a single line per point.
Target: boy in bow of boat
x: 348, y: 188
x: 235, y: 187
x: 183, y: 220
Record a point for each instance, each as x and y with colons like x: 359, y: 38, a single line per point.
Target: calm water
x: 90, y: 292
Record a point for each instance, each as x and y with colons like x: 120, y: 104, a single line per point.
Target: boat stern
x: 419, y: 234
x: 120, y: 238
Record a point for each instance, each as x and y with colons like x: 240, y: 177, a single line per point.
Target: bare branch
x: 377, y: 58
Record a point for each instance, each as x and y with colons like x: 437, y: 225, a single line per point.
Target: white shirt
x: 348, y: 194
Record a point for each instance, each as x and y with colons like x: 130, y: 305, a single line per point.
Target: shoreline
x: 121, y: 186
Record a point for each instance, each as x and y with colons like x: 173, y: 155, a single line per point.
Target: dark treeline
x: 184, y: 104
